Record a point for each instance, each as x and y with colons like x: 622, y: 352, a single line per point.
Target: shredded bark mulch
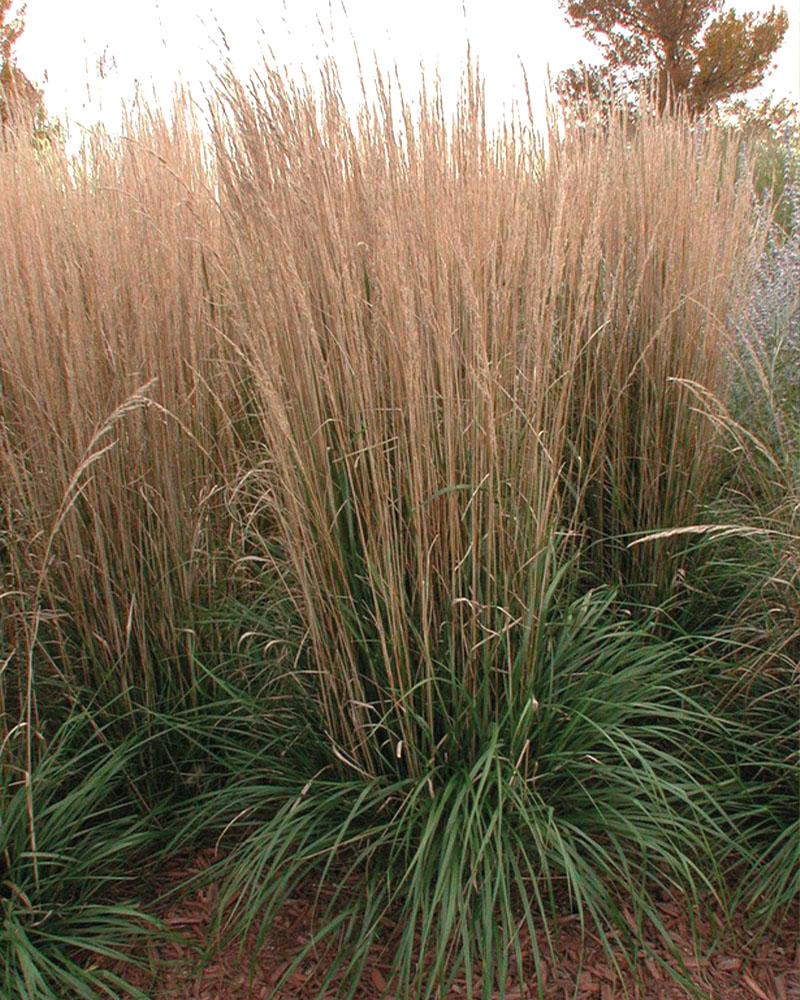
x: 736, y: 967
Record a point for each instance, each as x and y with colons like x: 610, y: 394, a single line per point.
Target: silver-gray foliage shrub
x: 772, y: 325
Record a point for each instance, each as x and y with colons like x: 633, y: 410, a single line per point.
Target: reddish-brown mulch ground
x: 766, y: 969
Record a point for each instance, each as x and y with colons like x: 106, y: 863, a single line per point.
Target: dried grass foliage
x: 446, y: 346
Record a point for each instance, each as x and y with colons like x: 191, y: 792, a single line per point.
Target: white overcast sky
x: 156, y: 43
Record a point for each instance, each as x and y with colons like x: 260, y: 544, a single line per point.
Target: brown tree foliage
x: 689, y: 50
x: 10, y: 29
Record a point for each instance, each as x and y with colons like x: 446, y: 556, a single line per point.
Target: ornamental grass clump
x: 117, y: 431
x: 474, y: 362
x: 420, y: 384
x: 464, y: 352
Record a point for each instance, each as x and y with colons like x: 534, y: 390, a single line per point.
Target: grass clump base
x: 587, y: 794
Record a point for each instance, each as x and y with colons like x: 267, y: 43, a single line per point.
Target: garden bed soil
x: 738, y: 967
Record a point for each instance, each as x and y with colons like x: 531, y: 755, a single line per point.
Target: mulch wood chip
x: 764, y: 969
